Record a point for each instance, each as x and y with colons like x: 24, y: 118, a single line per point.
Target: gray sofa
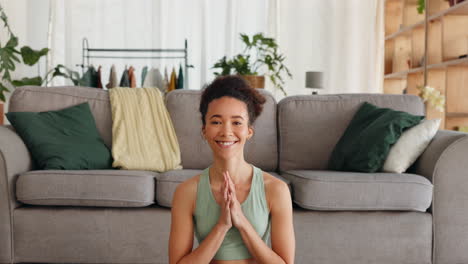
x: 115, y: 216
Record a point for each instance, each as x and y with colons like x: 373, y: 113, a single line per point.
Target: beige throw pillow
x: 410, y: 146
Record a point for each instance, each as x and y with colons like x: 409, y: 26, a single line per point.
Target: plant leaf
x: 6, y: 76
x: 256, y: 38
x: 30, y: 56
x: 12, y: 42
x: 421, y: 6
x: 28, y: 81
x: 68, y: 74
x: 3, y: 89
x: 7, y: 58
x: 245, y: 39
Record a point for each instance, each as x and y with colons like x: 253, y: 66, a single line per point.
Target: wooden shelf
x: 403, y: 74
x: 405, y: 30
x: 458, y: 9
x: 445, y: 64
x: 457, y: 114
x: 427, y: 52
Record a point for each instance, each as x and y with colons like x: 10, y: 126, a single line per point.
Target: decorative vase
x: 255, y: 80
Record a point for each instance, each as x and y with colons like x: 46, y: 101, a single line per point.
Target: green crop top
x: 255, y: 209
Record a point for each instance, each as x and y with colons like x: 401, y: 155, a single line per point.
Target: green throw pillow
x: 366, y: 142
x: 62, y: 140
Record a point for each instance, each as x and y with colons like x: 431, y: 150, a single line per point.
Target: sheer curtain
x: 344, y: 39
x: 211, y: 28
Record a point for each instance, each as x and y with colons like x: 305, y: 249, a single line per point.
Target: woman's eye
x: 215, y: 122
x: 237, y: 123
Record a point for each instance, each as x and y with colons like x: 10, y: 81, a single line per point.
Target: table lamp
x: 314, y: 80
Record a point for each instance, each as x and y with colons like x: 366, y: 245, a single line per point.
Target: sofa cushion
x: 333, y: 190
x: 167, y: 183
x: 261, y: 150
x: 310, y: 126
x: 41, y: 99
x: 64, y: 139
x: 109, y: 188
x: 410, y: 146
x: 366, y: 141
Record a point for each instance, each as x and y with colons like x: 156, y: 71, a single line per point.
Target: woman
x: 232, y: 207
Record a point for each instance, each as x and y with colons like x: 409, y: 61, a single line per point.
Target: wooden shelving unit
x: 426, y: 49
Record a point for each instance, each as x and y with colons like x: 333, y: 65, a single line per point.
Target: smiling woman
x: 230, y: 207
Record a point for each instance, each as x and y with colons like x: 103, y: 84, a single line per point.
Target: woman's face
x: 227, y: 127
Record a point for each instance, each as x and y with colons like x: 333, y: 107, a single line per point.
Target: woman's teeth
x: 226, y: 143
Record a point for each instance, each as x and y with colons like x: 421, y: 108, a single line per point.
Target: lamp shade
x: 314, y: 80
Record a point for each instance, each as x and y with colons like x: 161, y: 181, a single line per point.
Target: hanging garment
x: 149, y: 79
x: 166, y: 80
x: 180, y: 79
x: 132, y: 77
x: 124, y: 80
x: 143, y: 137
x: 89, y: 78
x: 112, y: 78
x: 159, y: 81
x: 172, y: 82
x: 143, y: 75
x: 99, y: 82
x: 154, y: 79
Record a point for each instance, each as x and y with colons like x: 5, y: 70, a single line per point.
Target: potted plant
x: 9, y: 58
x: 260, y: 54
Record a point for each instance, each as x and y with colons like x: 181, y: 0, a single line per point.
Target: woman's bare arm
x: 282, y: 231
x: 182, y: 226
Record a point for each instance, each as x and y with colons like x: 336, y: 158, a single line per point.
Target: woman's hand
x: 225, y: 216
x: 237, y: 215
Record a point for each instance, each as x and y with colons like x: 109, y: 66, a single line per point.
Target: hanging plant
x: 9, y: 59
x: 421, y: 6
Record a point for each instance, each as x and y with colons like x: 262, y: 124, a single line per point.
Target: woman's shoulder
x: 189, y: 190
x: 271, y: 181
x: 273, y: 187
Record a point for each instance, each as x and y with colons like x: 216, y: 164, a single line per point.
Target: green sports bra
x: 255, y: 209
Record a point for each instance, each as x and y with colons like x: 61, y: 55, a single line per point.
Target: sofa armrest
x: 14, y: 159
x: 445, y: 163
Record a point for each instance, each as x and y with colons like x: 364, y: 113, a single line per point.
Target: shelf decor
x: 433, y: 97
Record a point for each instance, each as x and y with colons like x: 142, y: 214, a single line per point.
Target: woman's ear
x: 251, y: 132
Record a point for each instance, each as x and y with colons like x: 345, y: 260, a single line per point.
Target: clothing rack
x: 87, y: 53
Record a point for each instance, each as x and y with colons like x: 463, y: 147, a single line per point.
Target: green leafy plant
x: 9, y: 58
x: 421, y: 6
x: 265, y: 57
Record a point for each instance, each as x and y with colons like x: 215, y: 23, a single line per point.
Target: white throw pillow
x: 410, y: 145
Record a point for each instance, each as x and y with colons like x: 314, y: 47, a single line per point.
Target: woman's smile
x: 225, y: 144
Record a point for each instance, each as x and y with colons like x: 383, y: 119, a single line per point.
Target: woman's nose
x: 226, y: 129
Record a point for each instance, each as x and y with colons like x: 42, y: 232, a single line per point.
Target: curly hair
x: 236, y: 87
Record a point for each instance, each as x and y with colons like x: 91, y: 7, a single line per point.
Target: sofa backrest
x: 310, y: 126
x: 261, y: 150
x: 39, y: 99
